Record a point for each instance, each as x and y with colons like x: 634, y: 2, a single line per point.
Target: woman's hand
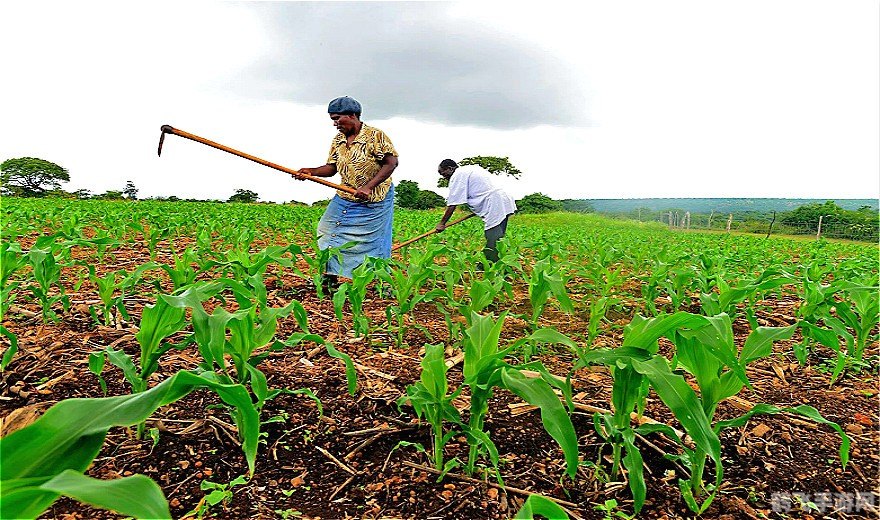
x: 300, y: 174
x: 363, y: 193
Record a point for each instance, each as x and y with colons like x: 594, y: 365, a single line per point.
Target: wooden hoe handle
x: 429, y: 233
x: 166, y: 129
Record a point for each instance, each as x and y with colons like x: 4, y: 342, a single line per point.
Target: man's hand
x: 301, y: 173
x: 363, y: 193
x: 440, y: 227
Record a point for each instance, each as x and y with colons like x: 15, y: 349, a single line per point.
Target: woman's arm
x: 388, y: 164
x: 328, y: 170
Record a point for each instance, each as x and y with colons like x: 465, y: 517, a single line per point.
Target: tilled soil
x: 349, y: 461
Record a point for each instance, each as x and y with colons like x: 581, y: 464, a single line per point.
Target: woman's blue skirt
x: 367, y: 224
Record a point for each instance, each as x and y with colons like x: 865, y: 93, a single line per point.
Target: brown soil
x: 296, y: 477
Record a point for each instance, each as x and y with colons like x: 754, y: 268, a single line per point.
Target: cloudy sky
x: 748, y: 98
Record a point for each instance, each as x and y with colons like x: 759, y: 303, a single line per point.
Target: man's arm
x: 446, y: 216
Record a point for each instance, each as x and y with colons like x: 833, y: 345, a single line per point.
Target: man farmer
x: 364, y: 157
x: 473, y: 187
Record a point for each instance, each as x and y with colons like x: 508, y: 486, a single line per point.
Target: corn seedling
x: 47, y: 274
x: 11, y: 261
x: 485, y: 369
x: 158, y: 322
x: 406, y: 282
x: 355, y: 291
x: 219, y: 493
x: 546, y: 281
x: 430, y: 398
x: 709, y: 354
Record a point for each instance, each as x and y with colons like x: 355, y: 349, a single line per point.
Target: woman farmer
x: 364, y: 158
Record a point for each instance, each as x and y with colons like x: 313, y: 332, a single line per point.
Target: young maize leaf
x: 136, y: 496
x: 70, y: 435
x: 538, y: 505
x: 553, y: 415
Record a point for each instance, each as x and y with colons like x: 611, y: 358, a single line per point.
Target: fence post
x: 710, y: 219
x: 819, y: 230
x: 729, y: 221
x: 771, y: 225
x: 687, y: 220
x: 670, y: 221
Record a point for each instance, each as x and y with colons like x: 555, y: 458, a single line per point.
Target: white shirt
x: 472, y: 186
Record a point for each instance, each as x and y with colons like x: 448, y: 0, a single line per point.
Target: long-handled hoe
x: 429, y: 233
x: 166, y: 129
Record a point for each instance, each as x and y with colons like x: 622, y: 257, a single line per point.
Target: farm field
x: 614, y: 368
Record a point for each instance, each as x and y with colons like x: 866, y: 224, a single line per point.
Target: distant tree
x: 321, y: 203
x: 242, y: 195
x: 82, y: 193
x: 110, y: 195
x: 496, y: 165
x: 130, y: 191
x: 810, y: 213
x: 577, y: 205
x: 538, y: 203
x: 31, y: 177
x: 428, y: 199
x: 406, y: 193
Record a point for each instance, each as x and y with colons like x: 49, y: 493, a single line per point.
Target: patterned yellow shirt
x: 360, y: 162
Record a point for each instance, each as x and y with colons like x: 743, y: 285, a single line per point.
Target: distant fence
x: 768, y: 226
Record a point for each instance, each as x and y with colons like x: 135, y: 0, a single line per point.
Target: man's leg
x: 493, y: 235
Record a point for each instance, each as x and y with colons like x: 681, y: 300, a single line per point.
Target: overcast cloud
x: 679, y: 98
x: 413, y: 60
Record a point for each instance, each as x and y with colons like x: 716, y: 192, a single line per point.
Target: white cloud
x: 722, y: 99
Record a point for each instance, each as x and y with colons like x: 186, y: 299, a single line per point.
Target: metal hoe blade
x: 165, y: 129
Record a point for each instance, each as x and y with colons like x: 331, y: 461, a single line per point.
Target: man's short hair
x: 448, y: 163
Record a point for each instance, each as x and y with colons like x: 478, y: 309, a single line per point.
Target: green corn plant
x: 355, y: 291
x: 158, y: 322
x: 861, y: 314
x: 247, y: 329
x: 485, y: 369
x: 406, y: 282
x: 317, y: 262
x: 47, y: 459
x: 656, y: 277
x: 709, y: 354
x: 480, y: 294
x: 546, y: 281
x: 11, y: 260
x: 630, y: 389
x: 47, y: 274
x: 726, y: 298
x: 112, y: 289
x: 676, y: 284
x: 152, y: 235
x: 182, y: 272
x: 816, y: 300
x: 430, y: 398
x: 597, y: 313
x: 242, y: 264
